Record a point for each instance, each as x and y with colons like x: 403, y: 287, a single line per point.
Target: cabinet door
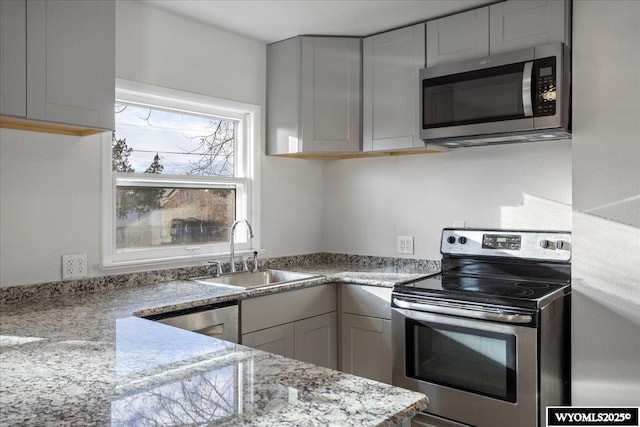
x: 71, y: 57
x: 390, y: 101
x: 13, y: 58
x: 457, y: 37
x: 330, y: 91
x: 522, y: 24
x: 316, y: 340
x: 366, y: 347
x: 277, y: 340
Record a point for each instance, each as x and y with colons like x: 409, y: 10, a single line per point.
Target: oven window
x: 473, y: 97
x: 466, y: 359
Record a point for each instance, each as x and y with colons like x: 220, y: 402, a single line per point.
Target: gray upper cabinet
x: 521, y: 24
x: 500, y: 27
x: 69, y: 48
x: 456, y: 37
x: 313, y: 96
x: 13, y: 58
x: 71, y: 62
x: 391, y: 62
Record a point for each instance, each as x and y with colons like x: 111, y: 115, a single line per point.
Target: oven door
x: 473, y: 371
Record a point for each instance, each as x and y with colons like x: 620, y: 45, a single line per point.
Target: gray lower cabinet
x: 312, y: 340
x: 366, y: 331
x: 313, y: 96
x: 366, y: 347
x: 277, y: 340
x: 316, y: 340
x: 390, y: 99
x: 69, y: 74
x: 300, y: 324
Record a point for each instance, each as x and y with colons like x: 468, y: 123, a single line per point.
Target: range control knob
x: 462, y: 240
x: 559, y: 244
x: 545, y: 243
x: 451, y: 239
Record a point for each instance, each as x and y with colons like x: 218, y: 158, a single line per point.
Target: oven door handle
x: 457, y: 310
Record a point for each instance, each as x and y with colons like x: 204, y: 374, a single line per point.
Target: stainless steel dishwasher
x: 219, y: 320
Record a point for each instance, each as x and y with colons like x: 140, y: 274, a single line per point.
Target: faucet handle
x: 245, y: 266
x: 255, y: 261
x: 218, y: 271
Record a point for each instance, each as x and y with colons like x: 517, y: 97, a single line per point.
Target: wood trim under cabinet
x: 37, y: 126
x: 337, y: 156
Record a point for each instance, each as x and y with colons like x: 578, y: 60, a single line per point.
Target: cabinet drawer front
x: 277, y: 309
x: 364, y: 300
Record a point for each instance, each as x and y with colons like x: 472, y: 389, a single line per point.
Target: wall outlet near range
x: 74, y: 266
x: 405, y: 245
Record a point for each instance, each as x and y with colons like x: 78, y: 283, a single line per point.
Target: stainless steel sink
x: 247, y: 280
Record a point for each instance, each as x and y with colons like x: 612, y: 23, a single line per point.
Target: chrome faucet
x: 232, y: 240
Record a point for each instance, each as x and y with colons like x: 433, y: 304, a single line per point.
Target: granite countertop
x: 84, y: 359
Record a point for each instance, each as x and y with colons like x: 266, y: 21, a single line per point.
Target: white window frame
x: 246, y: 163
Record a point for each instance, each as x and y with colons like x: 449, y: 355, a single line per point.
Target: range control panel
x: 536, y: 245
x: 511, y: 242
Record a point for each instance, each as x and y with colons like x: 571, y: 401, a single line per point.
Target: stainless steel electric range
x: 488, y: 338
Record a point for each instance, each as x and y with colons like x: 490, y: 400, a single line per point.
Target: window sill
x: 181, y: 261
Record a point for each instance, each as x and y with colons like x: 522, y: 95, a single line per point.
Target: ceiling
x: 269, y: 21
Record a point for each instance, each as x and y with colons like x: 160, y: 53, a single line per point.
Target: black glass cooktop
x: 506, y: 290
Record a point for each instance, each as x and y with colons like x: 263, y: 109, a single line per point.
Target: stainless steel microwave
x: 516, y: 96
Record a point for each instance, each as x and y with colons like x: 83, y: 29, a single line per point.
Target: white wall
x: 606, y: 84
x: 49, y: 184
x: 50, y: 203
x: 606, y: 177
x: 372, y: 201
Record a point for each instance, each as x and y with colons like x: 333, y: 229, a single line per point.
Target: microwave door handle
x: 527, y: 102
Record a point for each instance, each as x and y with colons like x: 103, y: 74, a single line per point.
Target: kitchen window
x: 179, y: 171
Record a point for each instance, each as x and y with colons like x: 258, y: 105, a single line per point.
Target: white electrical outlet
x: 405, y: 245
x: 74, y: 266
x: 459, y: 223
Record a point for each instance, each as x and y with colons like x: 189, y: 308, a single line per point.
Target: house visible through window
x: 181, y: 177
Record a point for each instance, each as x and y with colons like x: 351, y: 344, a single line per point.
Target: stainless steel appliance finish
x: 516, y: 96
x: 219, y: 321
x: 487, y: 339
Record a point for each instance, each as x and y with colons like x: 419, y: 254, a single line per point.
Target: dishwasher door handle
x: 212, y: 330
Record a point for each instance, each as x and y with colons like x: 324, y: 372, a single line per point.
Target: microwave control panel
x: 544, y: 81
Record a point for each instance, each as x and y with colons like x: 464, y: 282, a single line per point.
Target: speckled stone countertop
x: 81, y: 358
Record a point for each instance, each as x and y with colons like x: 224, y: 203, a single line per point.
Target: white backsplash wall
x: 369, y: 202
